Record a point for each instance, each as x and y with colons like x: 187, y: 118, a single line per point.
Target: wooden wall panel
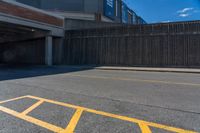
x: 158, y: 45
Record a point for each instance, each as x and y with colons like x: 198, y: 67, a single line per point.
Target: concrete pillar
x: 49, y: 50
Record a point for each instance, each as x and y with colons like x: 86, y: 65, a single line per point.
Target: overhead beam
x: 19, y: 14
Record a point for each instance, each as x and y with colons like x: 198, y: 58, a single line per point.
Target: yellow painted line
x: 144, y: 128
x: 9, y: 100
x: 73, y: 122
x: 31, y: 119
x: 164, y: 127
x: 32, y: 107
x: 132, y: 79
x: 55, y: 102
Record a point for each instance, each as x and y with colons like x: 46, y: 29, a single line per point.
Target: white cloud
x: 184, y: 15
x: 184, y: 10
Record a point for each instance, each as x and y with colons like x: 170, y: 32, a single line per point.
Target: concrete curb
x: 172, y: 70
x: 145, y: 69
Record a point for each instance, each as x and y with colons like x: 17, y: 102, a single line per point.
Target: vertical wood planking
x: 159, y: 45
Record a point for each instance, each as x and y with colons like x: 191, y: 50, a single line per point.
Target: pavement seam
x: 134, y: 79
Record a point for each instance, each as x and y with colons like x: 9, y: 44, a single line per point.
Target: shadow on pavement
x: 9, y: 72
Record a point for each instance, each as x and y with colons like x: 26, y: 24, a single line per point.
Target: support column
x: 49, y: 51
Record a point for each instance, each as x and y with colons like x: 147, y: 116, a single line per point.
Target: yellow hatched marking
x: 164, y: 127
x: 144, y: 125
x: 73, y: 122
x: 31, y: 119
x: 144, y: 128
x: 18, y: 98
x: 32, y: 107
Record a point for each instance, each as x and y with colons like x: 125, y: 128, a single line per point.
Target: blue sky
x: 166, y: 10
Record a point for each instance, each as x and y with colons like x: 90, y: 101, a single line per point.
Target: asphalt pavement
x: 61, y: 99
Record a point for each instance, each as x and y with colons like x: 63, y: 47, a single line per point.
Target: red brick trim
x: 22, y: 12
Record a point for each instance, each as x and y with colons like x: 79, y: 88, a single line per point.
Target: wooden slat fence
x: 157, y: 45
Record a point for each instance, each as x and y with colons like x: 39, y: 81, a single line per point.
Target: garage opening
x: 21, y: 45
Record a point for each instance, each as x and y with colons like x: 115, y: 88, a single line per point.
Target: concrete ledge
x: 145, y: 69
x: 151, y: 69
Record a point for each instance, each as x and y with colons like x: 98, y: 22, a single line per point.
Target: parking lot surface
x: 67, y: 99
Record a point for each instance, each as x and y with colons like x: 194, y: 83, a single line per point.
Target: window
x: 116, y: 8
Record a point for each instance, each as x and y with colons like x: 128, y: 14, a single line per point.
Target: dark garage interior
x: 21, y: 45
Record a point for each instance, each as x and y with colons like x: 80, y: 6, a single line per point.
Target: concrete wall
x: 34, y: 3
x: 89, y: 6
x: 63, y: 5
x: 75, y: 24
x: 76, y: 6
x: 93, y: 6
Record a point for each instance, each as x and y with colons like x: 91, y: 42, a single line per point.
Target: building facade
x: 99, y: 10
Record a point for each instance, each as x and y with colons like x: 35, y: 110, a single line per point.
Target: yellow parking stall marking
x: 31, y: 119
x: 144, y: 125
x: 55, y: 102
x: 32, y: 107
x: 74, y: 121
x: 144, y: 128
x: 9, y: 100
